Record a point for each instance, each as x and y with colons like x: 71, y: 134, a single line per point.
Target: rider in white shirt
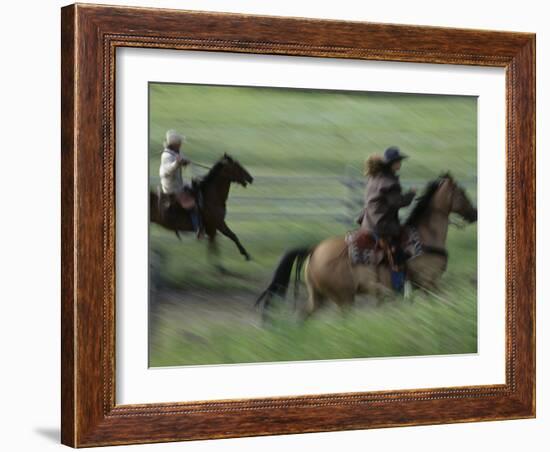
x: 171, y: 163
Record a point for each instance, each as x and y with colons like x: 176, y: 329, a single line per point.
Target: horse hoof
x: 221, y: 269
x: 247, y: 257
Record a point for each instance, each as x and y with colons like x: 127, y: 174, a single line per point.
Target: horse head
x: 454, y: 198
x: 443, y: 194
x: 234, y: 171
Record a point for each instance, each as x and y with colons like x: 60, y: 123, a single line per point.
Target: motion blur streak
x: 305, y: 150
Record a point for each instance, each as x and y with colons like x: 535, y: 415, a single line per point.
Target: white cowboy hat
x: 174, y: 138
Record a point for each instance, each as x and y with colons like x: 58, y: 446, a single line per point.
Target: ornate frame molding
x: 90, y: 37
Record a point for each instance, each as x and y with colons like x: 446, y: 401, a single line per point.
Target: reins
x: 202, y: 165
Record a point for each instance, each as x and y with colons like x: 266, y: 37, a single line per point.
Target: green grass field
x: 302, y: 147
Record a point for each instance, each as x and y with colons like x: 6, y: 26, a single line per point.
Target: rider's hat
x: 173, y: 138
x: 393, y: 154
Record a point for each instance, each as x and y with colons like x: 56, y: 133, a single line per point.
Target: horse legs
x: 344, y: 301
x: 425, y: 272
x: 315, y: 298
x: 224, y: 229
x: 314, y: 301
x: 214, y: 252
x: 383, y: 287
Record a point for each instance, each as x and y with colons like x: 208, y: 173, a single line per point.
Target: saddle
x: 168, y: 204
x: 365, y: 248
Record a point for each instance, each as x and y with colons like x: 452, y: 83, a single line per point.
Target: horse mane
x: 212, y: 172
x: 423, y: 202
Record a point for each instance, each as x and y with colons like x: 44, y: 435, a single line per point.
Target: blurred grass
x: 426, y: 326
x: 281, y: 133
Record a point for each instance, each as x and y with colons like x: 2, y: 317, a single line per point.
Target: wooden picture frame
x: 90, y: 36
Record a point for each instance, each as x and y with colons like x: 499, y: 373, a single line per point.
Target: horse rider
x: 172, y: 161
x: 383, y: 199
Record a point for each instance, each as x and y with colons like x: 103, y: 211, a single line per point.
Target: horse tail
x: 300, y: 259
x: 281, y: 277
x: 154, y: 207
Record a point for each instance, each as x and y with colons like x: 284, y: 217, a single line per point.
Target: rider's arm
x: 170, y: 164
x: 183, y: 160
x: 396, y: 199
x: 407, y: 198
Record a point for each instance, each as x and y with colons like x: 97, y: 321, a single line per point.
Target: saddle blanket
x: 364, y: 249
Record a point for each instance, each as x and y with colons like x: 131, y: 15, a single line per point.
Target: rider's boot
x: 196, y: 220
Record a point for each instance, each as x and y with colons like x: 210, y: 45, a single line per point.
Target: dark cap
x: 393, y: 154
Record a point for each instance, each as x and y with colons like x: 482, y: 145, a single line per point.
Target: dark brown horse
x: 213, y: 189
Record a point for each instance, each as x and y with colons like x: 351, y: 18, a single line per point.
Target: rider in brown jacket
x: 383, y: 199
x: 383, y: 194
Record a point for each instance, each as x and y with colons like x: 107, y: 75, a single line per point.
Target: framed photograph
x: 282, y: 225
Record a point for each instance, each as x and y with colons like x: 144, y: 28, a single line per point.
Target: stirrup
x: 407, y: 290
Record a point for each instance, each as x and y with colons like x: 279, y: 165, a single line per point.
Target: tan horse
x: 330, y: 276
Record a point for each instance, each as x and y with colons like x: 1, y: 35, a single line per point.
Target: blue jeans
x: 397, y: 277
x: 194, y: 214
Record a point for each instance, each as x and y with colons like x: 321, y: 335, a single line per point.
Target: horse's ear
x: 446, y: 175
